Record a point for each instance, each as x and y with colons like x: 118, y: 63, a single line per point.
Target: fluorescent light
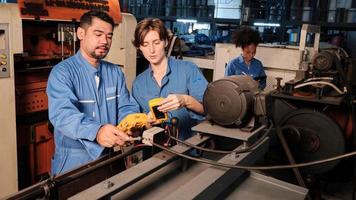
x: 201, y: 26
x: 266, y: 24
x: 187, y: 20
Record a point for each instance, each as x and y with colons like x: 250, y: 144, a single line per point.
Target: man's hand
x: 109, y: 136
x: 173, y: 102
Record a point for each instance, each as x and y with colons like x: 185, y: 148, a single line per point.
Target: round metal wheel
x: 313, y: 136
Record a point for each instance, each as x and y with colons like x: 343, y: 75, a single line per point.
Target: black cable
x: 247, y: 149
x: 274, y: 167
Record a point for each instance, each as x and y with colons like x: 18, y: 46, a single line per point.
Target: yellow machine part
x: 133, y: 121
x: 158, y: 115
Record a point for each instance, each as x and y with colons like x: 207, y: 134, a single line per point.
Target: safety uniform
x: 237, y: 66
x: 82, y: 99
x: 182, y: 77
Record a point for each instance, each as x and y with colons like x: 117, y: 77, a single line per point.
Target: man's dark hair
x: 245, y: 37
x: 86, y: 18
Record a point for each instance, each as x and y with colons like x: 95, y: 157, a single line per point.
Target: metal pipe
x: 65, y: 178
x: 62, y: 42
x: 42, y: 189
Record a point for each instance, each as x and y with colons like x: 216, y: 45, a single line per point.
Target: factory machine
x: 310, y: 100
x: 214, y: 174
x: 225, y: 159
x: 191, y: 169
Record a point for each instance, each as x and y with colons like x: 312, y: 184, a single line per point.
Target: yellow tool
x: 154, y: 104
x: 133, y: 121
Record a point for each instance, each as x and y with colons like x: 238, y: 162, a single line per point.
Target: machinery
x: 234, y: 101
x: 166, y: 176
x: 240, y: 114
x: 309, y: 97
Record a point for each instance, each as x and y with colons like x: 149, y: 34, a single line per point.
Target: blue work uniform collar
x: 87, y: 65
x: 165, y: 78
x: 241, y: 59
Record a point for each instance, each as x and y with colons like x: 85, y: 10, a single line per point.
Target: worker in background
x: 87, y: 98
x: 339, y: 40
x: 179, y: 82
x: 245, y: 64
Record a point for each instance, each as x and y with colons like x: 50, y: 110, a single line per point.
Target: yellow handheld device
x: 154, y: 104
x: 134, y: 120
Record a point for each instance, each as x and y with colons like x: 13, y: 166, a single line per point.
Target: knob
x: 3, y: 56
x: 3, y: 63
x: 4, y: 69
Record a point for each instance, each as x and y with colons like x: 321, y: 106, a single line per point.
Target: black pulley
x: 229, y: 101
x: 313, y: 136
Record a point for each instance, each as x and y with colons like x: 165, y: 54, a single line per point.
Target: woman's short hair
x: 146, y: 25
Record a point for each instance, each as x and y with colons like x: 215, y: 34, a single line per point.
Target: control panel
x: 4, y: 51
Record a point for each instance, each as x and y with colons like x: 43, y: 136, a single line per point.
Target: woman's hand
x: 173, y: 102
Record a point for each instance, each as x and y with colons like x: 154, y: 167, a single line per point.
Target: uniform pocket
x: 111, y: 98
x: 87, y: 107
x: 111, y: 103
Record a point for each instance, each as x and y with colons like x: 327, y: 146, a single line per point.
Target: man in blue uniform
x: 245, y: 64
x: 180, y: 83
x: 87, y: 98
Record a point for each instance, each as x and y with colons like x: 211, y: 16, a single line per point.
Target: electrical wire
x: 319, y: 82
x: 273, y: 167
x: 319, y: 78
x: 248, y: 149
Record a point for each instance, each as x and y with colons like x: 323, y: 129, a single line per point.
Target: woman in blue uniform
x: 179, y: 82
x: 245, y: 64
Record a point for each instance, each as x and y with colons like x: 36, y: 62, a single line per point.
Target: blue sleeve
x: 229, y: 69
x: 196, y: 86
x: 126, y: 103
x: 63, y: 111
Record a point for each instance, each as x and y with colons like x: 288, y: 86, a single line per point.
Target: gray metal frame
x: 149, y: 179
x: 130, y: 176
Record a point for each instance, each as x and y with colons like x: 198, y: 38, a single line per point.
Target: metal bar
x: 41, y: 189
x: 70, y: 176
x: 32, y: 192
x: 234, y: 133
x: 290, y: 157
x: 130, y: 176
x: 213, y: 181
x: 62, y: 41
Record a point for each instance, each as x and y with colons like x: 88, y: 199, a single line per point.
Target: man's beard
x: 96, y: 56
x: 99, y: 56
